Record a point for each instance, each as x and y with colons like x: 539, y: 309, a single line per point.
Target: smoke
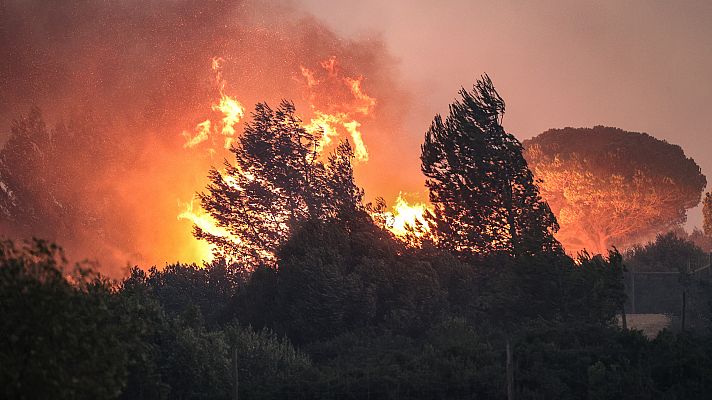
x: 140, y: 72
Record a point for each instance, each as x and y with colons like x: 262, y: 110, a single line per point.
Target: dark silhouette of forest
x: 309, y: 297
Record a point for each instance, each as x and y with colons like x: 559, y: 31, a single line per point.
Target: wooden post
x: 237, y: 373
x: 682, y: 320
x: 632, y: 287
x: 510, y: 372
x: 685, y: 277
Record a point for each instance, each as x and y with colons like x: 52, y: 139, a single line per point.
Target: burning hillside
x: 134, y: 115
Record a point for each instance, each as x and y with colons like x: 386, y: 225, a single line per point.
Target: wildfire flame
x: 331, y: 123
x: 202, y: 132
x: 406, y: 218
x: 204, y: 221
x: 232, y: 110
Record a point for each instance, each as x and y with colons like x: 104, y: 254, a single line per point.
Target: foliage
x: 392, y: 328
x: 334, y: 306
x: 595, y: 289
x: 268, y: 365
x: 609, y: 187
x: 668, y: 252
x: 553, y: 288
x: 484, y: 195
x: 575, y: 361
x: 451, y: 361
x: 189, y: 291
x: 59, y: 336
x: 331, y: 280
x: 700, y: 239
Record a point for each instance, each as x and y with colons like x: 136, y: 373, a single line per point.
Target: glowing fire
x: 202, y: 131
x: 405, y: 219
x: 346, y: 117
x: 232, y: 110
x: 329, y: 125
x: 408, y: 218
x: 205, y: 222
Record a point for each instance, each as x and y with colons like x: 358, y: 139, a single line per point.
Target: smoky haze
x: 140, y: 72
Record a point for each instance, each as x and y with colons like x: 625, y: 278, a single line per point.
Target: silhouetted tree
x: 484, y: 195
x: 609, y: 187
x: 276, y: 182
x: 700, y: 239
x: 60, y: 338
x: 668, y: 252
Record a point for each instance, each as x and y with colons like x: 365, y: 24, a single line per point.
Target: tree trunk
x: 237, y: 374
x: 632, y: 297
x: 684, y: 301
x: 510, y: 372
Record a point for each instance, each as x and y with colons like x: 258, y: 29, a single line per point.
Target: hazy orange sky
x: 643, y: 66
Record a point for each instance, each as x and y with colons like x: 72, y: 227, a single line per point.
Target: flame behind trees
x: 276, y: 183
x: 484, y: 195
x: 609, y: 187
x: 331, y: 114
x: 345, y: 103
x: 140, y: 68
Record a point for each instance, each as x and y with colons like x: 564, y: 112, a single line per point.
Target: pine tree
x: 485, y: 197
x: 276, y: 183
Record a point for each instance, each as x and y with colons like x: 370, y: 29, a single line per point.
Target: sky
x: 643, y: 66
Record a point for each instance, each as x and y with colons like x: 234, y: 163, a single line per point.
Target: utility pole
x: 685, y: 276
x: 237, y: 373
x: 682, y: 322
x: 510, y: 372
x: 632, y: 287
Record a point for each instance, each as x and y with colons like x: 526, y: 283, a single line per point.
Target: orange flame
x: 404, y: 220
x: 232, y: 110
x: 198, y: 217
x: 202, y: 132
x: 331, y: 123
x: 407, y: 218
x: 367, y: 102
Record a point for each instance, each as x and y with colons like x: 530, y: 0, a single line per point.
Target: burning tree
x: 609, y: 187
x: 484, y: 194
x: 277, y: 182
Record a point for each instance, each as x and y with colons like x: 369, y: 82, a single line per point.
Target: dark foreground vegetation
x: 349, y: 315
x: 310, y: 297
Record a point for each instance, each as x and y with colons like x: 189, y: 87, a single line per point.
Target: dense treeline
x: 309, y: 297
x: 347, y: 317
